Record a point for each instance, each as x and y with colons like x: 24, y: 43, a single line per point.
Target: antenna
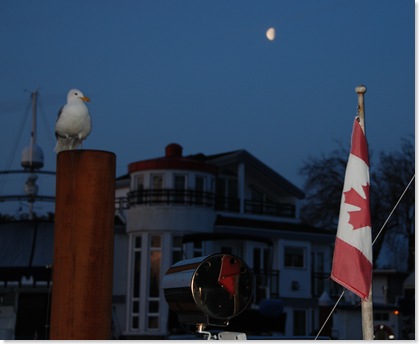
x: 32, y: 155
x: 32, y: 159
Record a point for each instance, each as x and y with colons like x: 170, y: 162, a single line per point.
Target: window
x: 257, y: 201
x: 139, y: 187
x: 197, y: 249
x: 157, y: 181
x: 232, y: 191
x: 317, y: 267
x: 294, y: 257
x: 157, y: 185
x: 226, y: 250
x: 261, y: 278
x: 177, y: 249
x: 145, y: 295
x: 199, y: 189
x: 227, y: 193
x: 155, y: 260
x: 154, y: 283
x: 300, y: 322
x: 135, y: 302
x: 381, y: 316
x: 179, y: 181
x: 139, y: 182
x: 179, y: 186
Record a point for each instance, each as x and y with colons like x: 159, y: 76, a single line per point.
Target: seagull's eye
x: 76, y: 94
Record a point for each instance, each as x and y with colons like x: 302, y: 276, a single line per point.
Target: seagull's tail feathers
x: 67, y: 143
x: 60, y: 146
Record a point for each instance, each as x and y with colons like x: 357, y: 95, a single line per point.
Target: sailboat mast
x: 34, y: 96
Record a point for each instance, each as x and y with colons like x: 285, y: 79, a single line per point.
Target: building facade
x: 177, y: 207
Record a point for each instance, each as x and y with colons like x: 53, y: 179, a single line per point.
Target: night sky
x: 204, y: 75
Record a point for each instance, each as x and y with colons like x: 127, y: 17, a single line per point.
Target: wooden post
x: 81, y: 307
x: 366, y: 305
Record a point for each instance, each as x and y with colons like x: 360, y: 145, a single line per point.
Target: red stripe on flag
x: 359, y: 143
x: 351, y: 269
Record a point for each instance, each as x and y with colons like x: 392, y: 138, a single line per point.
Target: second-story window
x: 179, y: 186
x: 157, y: 185
x: 227, y: 194
x: 294, y: 257
x: 139, y: 188
x: 257, y: 202
x: 199, y: 189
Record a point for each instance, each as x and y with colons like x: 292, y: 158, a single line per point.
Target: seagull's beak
x: 85, y: 99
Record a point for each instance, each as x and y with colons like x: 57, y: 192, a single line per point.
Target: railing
x: 227, y: 204
x: 265, y: 284
x: 268, y: 208
x: 204, y: 199
x: 255, y: 207
x: 171, y: 197
x: 320, y: 282
x: 121, y: 203
x: 34, y: 275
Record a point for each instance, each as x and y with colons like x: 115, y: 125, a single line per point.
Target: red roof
x: 173, y: 160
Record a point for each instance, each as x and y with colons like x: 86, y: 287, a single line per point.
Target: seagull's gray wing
x: 60, y: 112
x: 58, y: 118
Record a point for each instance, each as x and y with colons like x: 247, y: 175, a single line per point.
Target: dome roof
x: 32, y: 157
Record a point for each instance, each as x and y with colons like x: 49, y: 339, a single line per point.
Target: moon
x: 270, y: 34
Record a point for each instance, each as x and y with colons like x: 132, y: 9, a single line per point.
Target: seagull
x: 73, y: 123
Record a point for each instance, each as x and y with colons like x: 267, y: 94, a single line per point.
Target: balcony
x: 203, y: 199
x: 255, y: 207
x: 266, y: 285
x: 321, y: 281
x: 171, y: 197
x: 35, y: 275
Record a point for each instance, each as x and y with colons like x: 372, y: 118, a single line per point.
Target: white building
x: 180, y: 207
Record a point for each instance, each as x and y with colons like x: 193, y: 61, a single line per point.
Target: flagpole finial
x: 361, y: 89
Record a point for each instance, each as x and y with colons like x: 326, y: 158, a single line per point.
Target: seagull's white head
x: 74, y: 94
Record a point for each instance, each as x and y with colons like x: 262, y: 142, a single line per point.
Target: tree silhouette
x: 389, y: 178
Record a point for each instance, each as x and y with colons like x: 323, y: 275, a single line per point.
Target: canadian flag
x: 352, y: 259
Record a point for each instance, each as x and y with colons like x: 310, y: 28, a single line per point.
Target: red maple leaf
x: 359, y: 218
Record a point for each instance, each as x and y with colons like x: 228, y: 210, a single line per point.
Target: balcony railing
x: 171, y: 197
x: 265, y: 285
x: 204, y: 199
x: 320, y: 282
x: 255, y: 207
x: 35, y: 275
x: 268, y: 208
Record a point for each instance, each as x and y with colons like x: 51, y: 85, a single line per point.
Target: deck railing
x: 35, y: 276
x: 266, y: 285
x: 321, y: 282
x: 204, y: 199
x: 171, y: 197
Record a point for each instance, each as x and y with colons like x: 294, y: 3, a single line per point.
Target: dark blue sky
x: 204, y: 75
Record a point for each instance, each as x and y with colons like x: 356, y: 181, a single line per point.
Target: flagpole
x: 366, y: 305
x: 361, y: 89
